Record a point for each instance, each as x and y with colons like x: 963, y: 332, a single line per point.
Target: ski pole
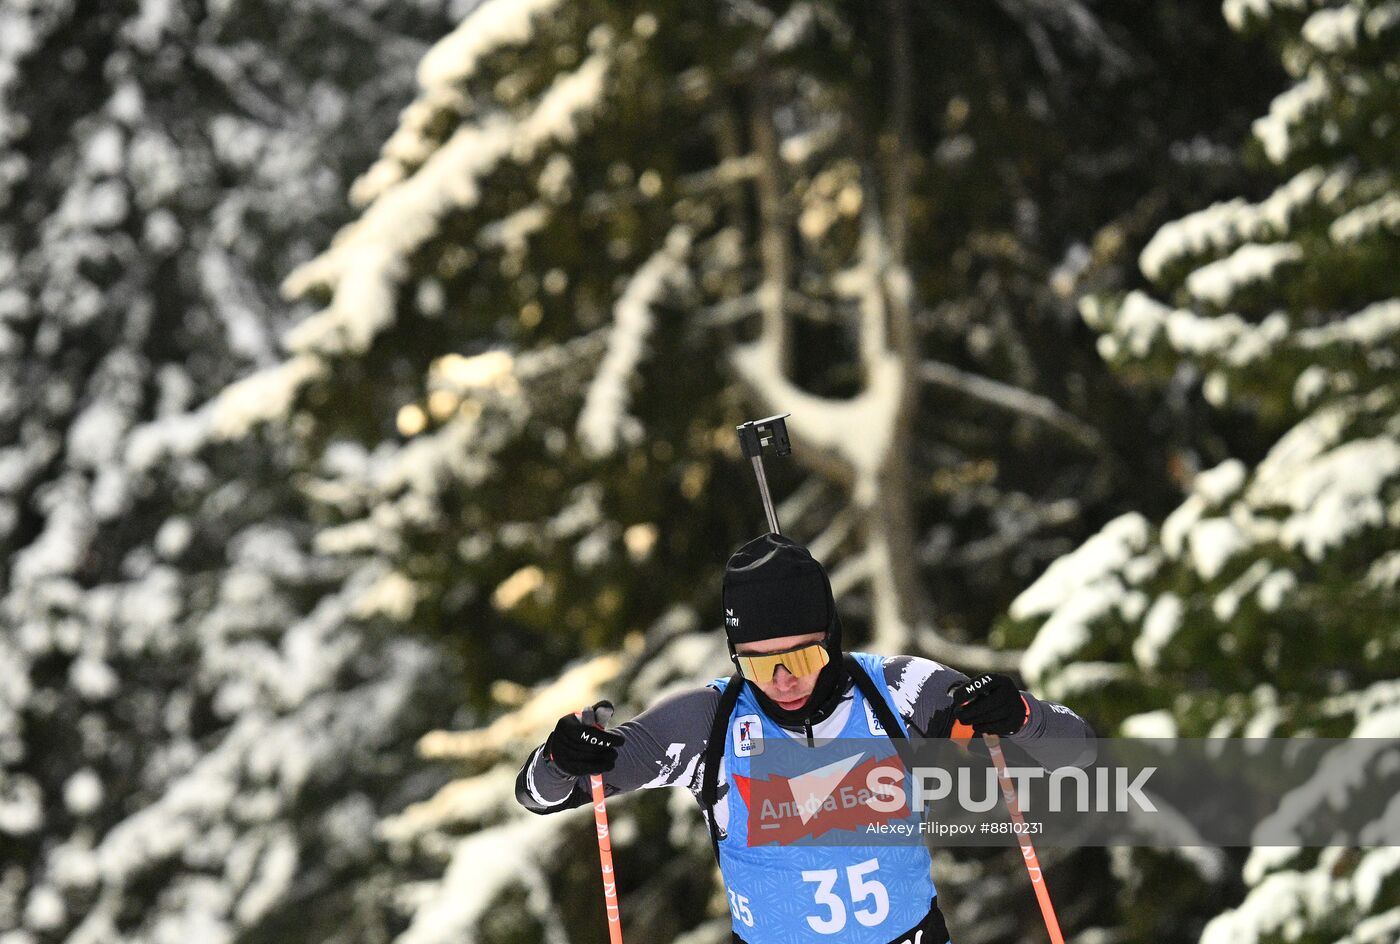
x: 600, y: 820
x: 1013, y: 806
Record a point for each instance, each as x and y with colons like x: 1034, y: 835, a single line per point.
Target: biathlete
x: 793, y: 680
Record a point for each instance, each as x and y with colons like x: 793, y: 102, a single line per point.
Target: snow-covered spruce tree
x: 188, y: 749
x: 606, y: 232
x: 1267, y: 603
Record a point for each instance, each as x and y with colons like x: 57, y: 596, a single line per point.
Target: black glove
x: 990, y: 704
x: 579, y: 749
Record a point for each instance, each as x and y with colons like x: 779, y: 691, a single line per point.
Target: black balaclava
x: 774, y: 587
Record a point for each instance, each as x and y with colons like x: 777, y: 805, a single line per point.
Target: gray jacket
x: 665, y: 744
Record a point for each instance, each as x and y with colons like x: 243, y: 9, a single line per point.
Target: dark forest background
x: 368, y: 377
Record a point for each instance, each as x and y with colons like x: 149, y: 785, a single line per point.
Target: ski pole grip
x: 598, y: 716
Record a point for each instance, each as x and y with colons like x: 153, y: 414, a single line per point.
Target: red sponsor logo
x: 854, y: 794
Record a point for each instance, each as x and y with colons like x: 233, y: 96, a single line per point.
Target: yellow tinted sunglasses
x: 803, y: 660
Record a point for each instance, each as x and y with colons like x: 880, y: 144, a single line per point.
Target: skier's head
x: 777, y: 600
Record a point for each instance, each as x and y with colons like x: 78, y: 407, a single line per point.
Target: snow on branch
x: 452, y: 60
x: 1291, y: 904
x: 1078, y: 589
x: 604, y: 419
x: 492, y: 25
x: 262, y: 397
x: 401, y: 485
x: 1142, y: 321
x: 1251, y: 264
x: 1222, y: 227
x: 1277, y: 130
x: 68, y: 533
x: 1320, y: 489
x: 368, y: 259
x: 1239, y: 13
x: 865, y: 283
x: 454, y: 908
x: 265, y: 761
x: 409, y: 145
x: 465, y: 801
x: 1331, y: 490
x: 1376, y: 324
x: 1381, y: 216
x: 1334, y: 30
x: 575, y: 688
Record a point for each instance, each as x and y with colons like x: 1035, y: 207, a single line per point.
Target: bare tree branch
x: 848, y: 574
x: 966, y: 656
x: 740, y: 307
x: 1011, y: 534
x: 924, y: 637
x: 1074, y: 20
x: 793, y: 508
x: 1007, y: 397
x: 825, y: 544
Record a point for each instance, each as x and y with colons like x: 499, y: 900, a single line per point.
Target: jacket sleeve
x: 663, y: 746
x: 1053, y: 734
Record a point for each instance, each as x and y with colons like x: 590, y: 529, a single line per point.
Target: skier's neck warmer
x: 773, y: 587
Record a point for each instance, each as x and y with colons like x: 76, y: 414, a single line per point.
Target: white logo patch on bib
x: 747, y: 729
